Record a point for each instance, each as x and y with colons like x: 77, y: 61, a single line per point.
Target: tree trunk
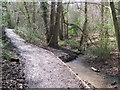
x: 45, y: 18
x: 55, y: 27
x: 33, y: 16
x: 119, y: 12
x: 27, y: 14
x: 57, y: 24
x: 52, y: 25
x: 102, y: 13
x: 84, y: 37
x: 64, y: 26
x: 61, y: 24
x: 102, y: 21
x: 66, y: 33
x: 18, y: 20
x: 116, y: 25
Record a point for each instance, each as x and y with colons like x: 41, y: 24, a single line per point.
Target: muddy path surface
x: 42, y: 68
x: 97, y: 79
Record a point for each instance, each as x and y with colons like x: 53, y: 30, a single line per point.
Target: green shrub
x: 30, y: 35
x: 6, y: 55
x: 102, y: 51
x: 70, y: 43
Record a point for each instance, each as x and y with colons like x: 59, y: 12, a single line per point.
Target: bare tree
x: 116, y: 25
x: 119, y: 12
x: 52, y: 25
x: 62, y: 22
x: 45, y: 18
x: 34, y: 15
x: 84, y: 36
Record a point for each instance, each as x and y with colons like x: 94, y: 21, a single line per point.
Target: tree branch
x: 71, y: 24
x: 82, y: 32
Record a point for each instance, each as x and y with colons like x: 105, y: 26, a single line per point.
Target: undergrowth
x: 30, y: 35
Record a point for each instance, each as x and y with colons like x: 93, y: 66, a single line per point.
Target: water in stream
x: 97, y: 79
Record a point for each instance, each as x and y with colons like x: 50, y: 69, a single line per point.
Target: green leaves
x: 70, y: 43
x: 73, y: 30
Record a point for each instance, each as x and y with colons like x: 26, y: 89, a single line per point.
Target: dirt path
x: 42, y: 68
x: 97, y: 79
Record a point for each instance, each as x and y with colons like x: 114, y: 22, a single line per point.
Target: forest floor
x: 109, y: 66
x: 42, y: 69
x: 12, y: 69
x: 12, y: 75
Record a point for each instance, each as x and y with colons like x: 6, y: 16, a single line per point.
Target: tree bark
x: 62, y: 22
x: 33, y: 16
x: 45, y: 18
x: 66, y: 33
x: 116, y: 25
x: 119, y: 12
x: 55, y: 27
x: 17, y: 21
x: 27, y: 13
x: 83, y: 38
x: 52, y: 25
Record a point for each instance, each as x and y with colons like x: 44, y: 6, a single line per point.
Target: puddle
x: 98, y: 80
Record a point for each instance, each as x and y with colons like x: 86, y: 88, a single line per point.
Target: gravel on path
x: 42, y: 68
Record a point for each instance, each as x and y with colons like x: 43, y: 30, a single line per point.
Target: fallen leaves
x: 12, y: 75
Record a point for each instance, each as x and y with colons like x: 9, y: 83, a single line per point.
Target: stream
x: 97, y: 79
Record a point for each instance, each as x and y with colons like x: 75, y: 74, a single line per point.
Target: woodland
x: 69, y: 29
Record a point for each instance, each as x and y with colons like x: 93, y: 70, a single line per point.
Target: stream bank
x: 86, y: 71
x: 82, y: 66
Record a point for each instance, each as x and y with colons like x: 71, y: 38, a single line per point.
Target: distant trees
x: 116, y: 24
x: 27, y: 14
x: 56, y: 23
x: 7, y: 17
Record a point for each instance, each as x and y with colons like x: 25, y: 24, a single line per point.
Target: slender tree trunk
x: 27, y: 13
x: 33, y: 16
x: 57, y: 24
x: 83, y: 37
x: 102, y: 20
x: 61, y: 24
x: 119, y: 12
x: 45, y: 18
x: 116, y: 25
x: 66, y: 33
x: 102, y: 13
x: 64, y: 26
x: 52, y: 25
x: 17, y: 21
